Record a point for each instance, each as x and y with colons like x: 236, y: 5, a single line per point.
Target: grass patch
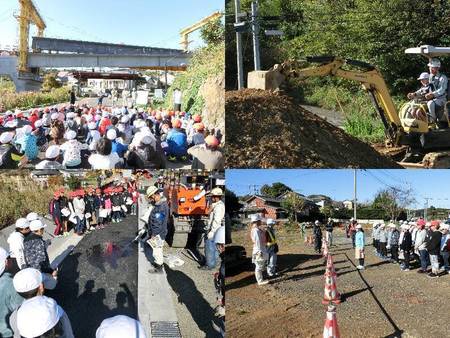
x: 26, y: 100
x: 361, y: 119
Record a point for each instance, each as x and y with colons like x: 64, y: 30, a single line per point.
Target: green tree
x: 50, y: 82
x: 294, y: 204
x: 393, y: 200
x: 231, y: 202
x: 213, y: 32
x: 274, y: 190
x: 73, y: 182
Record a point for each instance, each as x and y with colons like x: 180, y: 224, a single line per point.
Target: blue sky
x: 338, y: 184
x: 136, y: 22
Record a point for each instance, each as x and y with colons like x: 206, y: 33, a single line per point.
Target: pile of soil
x: 266, y: 129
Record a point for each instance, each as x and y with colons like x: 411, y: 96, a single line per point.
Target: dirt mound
x: 266, y: 129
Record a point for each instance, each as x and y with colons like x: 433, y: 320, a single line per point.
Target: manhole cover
x: 165, y: 330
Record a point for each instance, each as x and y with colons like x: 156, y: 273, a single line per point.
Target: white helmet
x: 434, y: 63
x: 255, y: 218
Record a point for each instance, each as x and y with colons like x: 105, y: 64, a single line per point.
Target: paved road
x: 99, y: 278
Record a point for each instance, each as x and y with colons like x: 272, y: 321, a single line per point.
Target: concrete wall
x: 8, y: 67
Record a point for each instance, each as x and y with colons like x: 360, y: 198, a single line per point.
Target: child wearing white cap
x: 35, y: 250
x: 9, y: 298
x: 15, y: 241
x: 71, y: 150
x: 10, y: 156
x: 120, y: 327
x: 360, y: 241
x: 42, y: 315
x: 51, y: 159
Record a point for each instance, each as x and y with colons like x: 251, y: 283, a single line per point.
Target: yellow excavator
x: 408, y: 126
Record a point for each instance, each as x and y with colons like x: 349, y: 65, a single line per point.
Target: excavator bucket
x: 265, y: 79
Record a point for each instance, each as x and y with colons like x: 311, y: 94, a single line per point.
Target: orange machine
x: 189, y: 206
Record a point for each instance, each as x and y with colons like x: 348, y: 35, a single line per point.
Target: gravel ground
x: 194, y: 297
x: 381, y: 301
x: 99, y: 278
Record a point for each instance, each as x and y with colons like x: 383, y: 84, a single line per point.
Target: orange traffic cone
x: 311, y: 240
x: 331, y: 329
x: 325, y: 249
x: 306, y: 240
x: 329, y: 270
x: 330, y: 292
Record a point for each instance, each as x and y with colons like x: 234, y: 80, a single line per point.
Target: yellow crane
x: 185, y: 32
x: 28, y: 14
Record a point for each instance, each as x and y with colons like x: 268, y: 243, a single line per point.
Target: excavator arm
x: 369, y: 77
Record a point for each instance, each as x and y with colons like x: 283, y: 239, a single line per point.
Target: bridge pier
x: 23, y: 83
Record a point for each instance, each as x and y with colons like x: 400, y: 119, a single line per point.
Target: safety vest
x: 271, y: 240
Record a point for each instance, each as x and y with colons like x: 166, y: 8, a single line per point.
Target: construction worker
x: 157, y: 227
x: 177, y: 99
x: 437, y: 98
x: 216, y: 220
x: 272, y: 248
x: 9, y: 299
x: 317, y: 232
x: 15, y: 241
x: 219, y: 278
x: 329, y: 233
x: 259, y: 252
x: 133, y: 97
x: 359, y: 246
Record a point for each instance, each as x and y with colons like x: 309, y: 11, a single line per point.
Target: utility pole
x: 255, y: 33
x: 240, y: 63
x: 425, y: 210
x: 354, y: 194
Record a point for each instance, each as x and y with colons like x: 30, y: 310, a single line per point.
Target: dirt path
x: 381, y: 301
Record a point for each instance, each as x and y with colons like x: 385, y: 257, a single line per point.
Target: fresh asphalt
x: 98, y: 279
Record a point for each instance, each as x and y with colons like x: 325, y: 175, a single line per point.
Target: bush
x: 28, y: 100
x: 206, y: 62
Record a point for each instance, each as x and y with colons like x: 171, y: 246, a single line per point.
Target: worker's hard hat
x: 152, y: 190
x: 424, y: 76
x: 219, y: 236
x: 316, y: 222
x: 216, y: 192
x: 434, y: 63
x: 270, y: 221
x: 255, y: 218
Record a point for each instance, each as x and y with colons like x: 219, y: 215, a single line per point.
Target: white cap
x: 434, y: 63
x: 445, y: 227
x: 3, y: 256
x: 52, y: 151
x: 316, y: 222
x: 125, y: 119
x: 22, y: 223
x: 140, y: 110
x: 11, y: 124
x: 358, y: 226
x: 270, y: 221
x: 38, y: 123
x: 146, y: 140
x: 119, y: 327
x: 255, y: 218
x: 219, y: 236
x: 32, y: 216
x: 88, y: 117
x: 423, y: 76
x: 37, y: 225
x: 392, y: 225
x: 70, y: 115
x: 6, y: 137
x: 92, y: 125
x: 37, y: 316
x: 70, y: 135
x: 27, y: 280
x: 54, y: 116
x: 111, y: 134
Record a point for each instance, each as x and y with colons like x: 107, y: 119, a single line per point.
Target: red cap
x: 199, y: 126
x: 212, y: 141
x: 197, y: 118
x: 176, y: 123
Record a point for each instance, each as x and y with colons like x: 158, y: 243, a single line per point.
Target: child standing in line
x: 359, y: 246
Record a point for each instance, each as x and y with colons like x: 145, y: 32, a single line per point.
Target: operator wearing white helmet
x: 438, y: 97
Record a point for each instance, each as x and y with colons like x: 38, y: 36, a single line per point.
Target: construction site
x: 294, y: 100
x: 319, y: 288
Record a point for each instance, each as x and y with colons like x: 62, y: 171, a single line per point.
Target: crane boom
x: 185, y: 32
x: 28, y: 14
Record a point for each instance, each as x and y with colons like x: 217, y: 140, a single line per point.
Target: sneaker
x: 264, y: 282
x: 405, y: 269
x: 432, y: 275
x: 420, y: 271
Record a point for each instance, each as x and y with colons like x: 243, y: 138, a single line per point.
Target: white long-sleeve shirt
x: 15, y: 241
x: 216, y: 218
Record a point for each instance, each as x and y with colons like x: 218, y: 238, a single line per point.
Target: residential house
x: 265, y: 206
